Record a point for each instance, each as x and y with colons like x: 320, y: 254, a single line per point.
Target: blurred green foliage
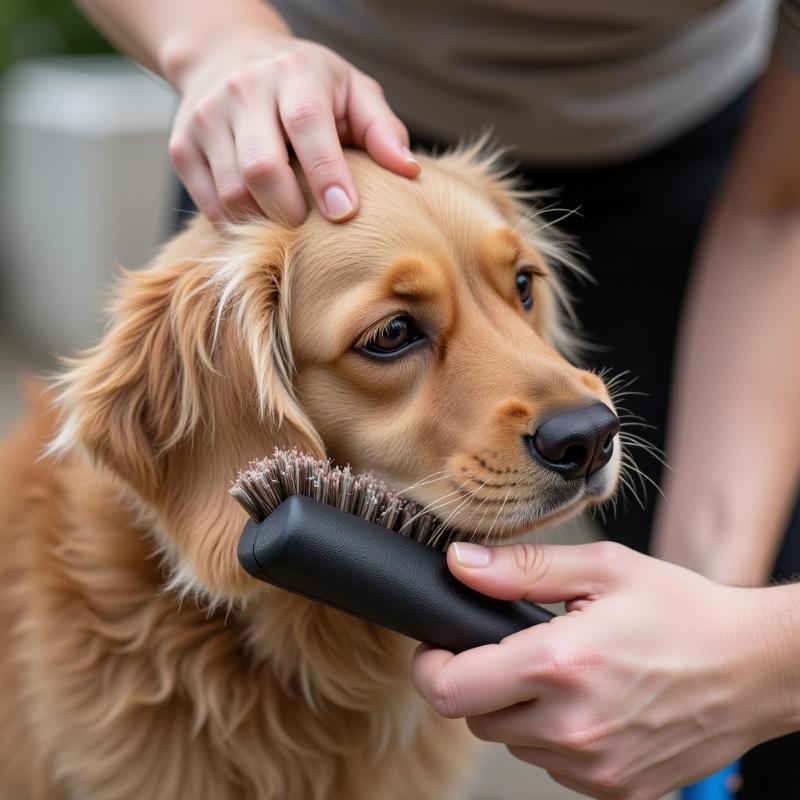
x: 45, y: 27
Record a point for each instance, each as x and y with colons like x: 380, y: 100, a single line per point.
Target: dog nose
x: 575, y: 443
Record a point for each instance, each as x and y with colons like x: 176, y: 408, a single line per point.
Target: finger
x: 516, y: 725
x: 308, y: 120
x: 264, y: 164
x: 484, y: 679
x: 575, y: 785
x: 375, y: 127
x: 220, y: 152
x: 192, y: 169
x: 563, y: 768
x: 540, y: 573
x: 547, y: 759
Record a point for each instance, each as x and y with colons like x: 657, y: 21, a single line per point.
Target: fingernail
x: 409, y: 156
x: 471, y: 555
x: 337, y: 203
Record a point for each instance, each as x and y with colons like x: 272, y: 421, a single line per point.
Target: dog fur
x: 139, y: 660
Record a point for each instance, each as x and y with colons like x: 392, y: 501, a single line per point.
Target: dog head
x: 422, y: 341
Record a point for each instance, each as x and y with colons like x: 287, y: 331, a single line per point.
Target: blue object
x: 714, y: 787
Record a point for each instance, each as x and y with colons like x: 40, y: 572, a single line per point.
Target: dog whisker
x: 632, y: 440
x: 457, y: 508
x: 499, y: 511
x: 653, y: 483
x: 441, y: 528
x: 626, y: 483
x: 632, y: 421
x: 436, y: 503
x: 631, y: 468
x: 431, y: 478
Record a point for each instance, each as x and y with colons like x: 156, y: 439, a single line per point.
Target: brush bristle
x: 266, y: 483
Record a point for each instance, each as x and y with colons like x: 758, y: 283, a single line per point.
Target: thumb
x: 540, y: 573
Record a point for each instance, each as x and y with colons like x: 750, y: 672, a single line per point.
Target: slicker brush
x: 349, y: 541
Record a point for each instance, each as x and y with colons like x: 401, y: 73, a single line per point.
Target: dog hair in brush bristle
x: 266, y: 483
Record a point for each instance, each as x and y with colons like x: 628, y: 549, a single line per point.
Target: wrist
x: 767, y: 659
x: 186, y: 51
x: 781, y: 610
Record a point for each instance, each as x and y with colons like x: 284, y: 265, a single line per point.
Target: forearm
x: 734, y: 442
x: 166, y: 36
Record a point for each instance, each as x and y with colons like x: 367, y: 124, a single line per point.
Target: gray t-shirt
x: 562, y: 81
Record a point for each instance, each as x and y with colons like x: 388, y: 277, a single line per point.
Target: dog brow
x: 417, y: 278
x: 500, y: 248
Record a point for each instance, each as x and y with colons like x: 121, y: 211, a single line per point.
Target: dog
x: 423, y: 341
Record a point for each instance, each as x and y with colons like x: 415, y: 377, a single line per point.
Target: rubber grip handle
x: 337, y: 558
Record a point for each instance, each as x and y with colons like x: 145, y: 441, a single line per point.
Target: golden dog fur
x: 139, y: 661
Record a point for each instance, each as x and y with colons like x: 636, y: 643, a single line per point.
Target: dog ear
x: 199, y: 342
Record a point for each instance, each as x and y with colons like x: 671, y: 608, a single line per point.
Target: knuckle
x: 291, y: 61
x: 552, y: 663
x: 303, y: 116
x: 240, y: 82
x: 212, y: 212
x: 568, y: 666
x: 530, y: 560
x: 322, y: 166
x: 542, y: 666
x: 373, y: 86
x: 608, y: 778
x: 569, y: 739
x: 204, y: 114
x: 444, y: 696
x: 260, y: 169
x: 610, y: 554
x: 179, y: 150
x: 573, y: 737
x: 233, y: 195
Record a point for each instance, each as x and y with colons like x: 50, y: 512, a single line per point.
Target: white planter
x: 86, y: 185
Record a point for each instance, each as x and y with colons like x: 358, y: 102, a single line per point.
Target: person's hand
x: 243, y: 101
x: 654, y: 678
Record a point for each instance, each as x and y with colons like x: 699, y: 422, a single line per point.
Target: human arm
x: 248, y: 88
x: 734, y: 440
x: 656, y: 676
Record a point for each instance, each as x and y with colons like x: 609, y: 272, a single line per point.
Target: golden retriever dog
x: 422, y: 341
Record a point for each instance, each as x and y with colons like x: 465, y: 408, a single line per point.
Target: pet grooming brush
x: 350, y: 542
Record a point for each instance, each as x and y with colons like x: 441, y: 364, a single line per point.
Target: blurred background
x: 85, y: 181
x: 86, y: 186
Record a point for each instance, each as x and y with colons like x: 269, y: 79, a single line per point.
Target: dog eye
x: 525, y: 289
x: 396, y: 336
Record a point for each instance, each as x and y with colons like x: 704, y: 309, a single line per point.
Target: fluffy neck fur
x: 137, y: 694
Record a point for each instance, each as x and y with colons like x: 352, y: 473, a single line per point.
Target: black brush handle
x: 316, y: 550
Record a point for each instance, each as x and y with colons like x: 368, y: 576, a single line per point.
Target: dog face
x: 424, y: 335
x: 420, y: 341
